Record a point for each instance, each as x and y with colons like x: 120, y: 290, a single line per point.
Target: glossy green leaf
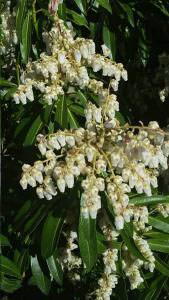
x: 4, y: 241
x: 23, y: 210
x: 6, y: 83
x: 109, y: 40
x: 159, y: 245
x: 160, y: 223
x: 9, y: 285
x: 8, y: 267
x: 77, y: 109
x: 72, y: 119
x: 34, y: 220
x: 87, y: 241
x: 55, y: 268
x: 61, y: 112
x: 162, y: 266
x: 157, y: 235
x: 78, y: 19
x: 105, y: 4
x: 79, y: 3
x: 20, y: 16
x: 82, y: 98
x: 41, y: 279
x: 33, y: 131
x: 51, y: 233
x: 149, y: 200
x: 128, y: 240
x: 26, y: 37
x: 128, y: 10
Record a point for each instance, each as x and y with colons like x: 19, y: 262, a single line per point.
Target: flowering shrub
x: 99, y: 219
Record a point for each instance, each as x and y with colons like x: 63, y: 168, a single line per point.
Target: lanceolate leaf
x: 159, y: 245
x: 20, y: 17
x: 162, y: 266
x: 88, y: 241
x: 9, y: 285
x: 109, y: 40
x: 4, y: 241
x: 6, y: 83
x: 33, y: 131
x: 41, y: 279
x: 61, y: 112
x: 26, y: 37
x: 72, y: 119
x: 55, y: 268
x: 51, y: 233
x: 149, y: 200
x: 160, y: 223
x: 105, y: 4
x: 82, y: 98
x: 8, y: 267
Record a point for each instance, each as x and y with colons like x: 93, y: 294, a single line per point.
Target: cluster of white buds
x: 145, y: 250
x: 163, y: 209
x: 8, y: 31
x: 65, y: 64
x: 108, y: 280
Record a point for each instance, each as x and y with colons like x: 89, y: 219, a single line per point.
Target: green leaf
x: 55, y: 268
x: 20, y: 17
x: 72, y: 119
x: 157, y: 235
x: 78, y: 19
x: 51, y: 233
x: 23, y: 210
x: 61, y: 112
x: 77, y: 109
x: 21, y: 258
x: 128, y: 10
x: 87, y: 241
x: 23, y: 124
x: 4, y: 241
x: 109, y: 40
x: 8, y: 267
x: 82, y: 98
x: 26, y: 37
x: 160, y: 223
x: 6, y: 83
x: 128, y: 240
x: 33, y: 131
x: 159, y: 245
x: 80, y: 5
x: 149, y: 200
x: 162, y: 266
x: 35, y: 219
x: 41, y: 279
x: 9, y: 285
x: 105, y: 4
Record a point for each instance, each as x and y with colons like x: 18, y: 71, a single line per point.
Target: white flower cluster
x: 128, y: 159
x: 108, y: 280
x: 8, y: 31
x: 65, y: 64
